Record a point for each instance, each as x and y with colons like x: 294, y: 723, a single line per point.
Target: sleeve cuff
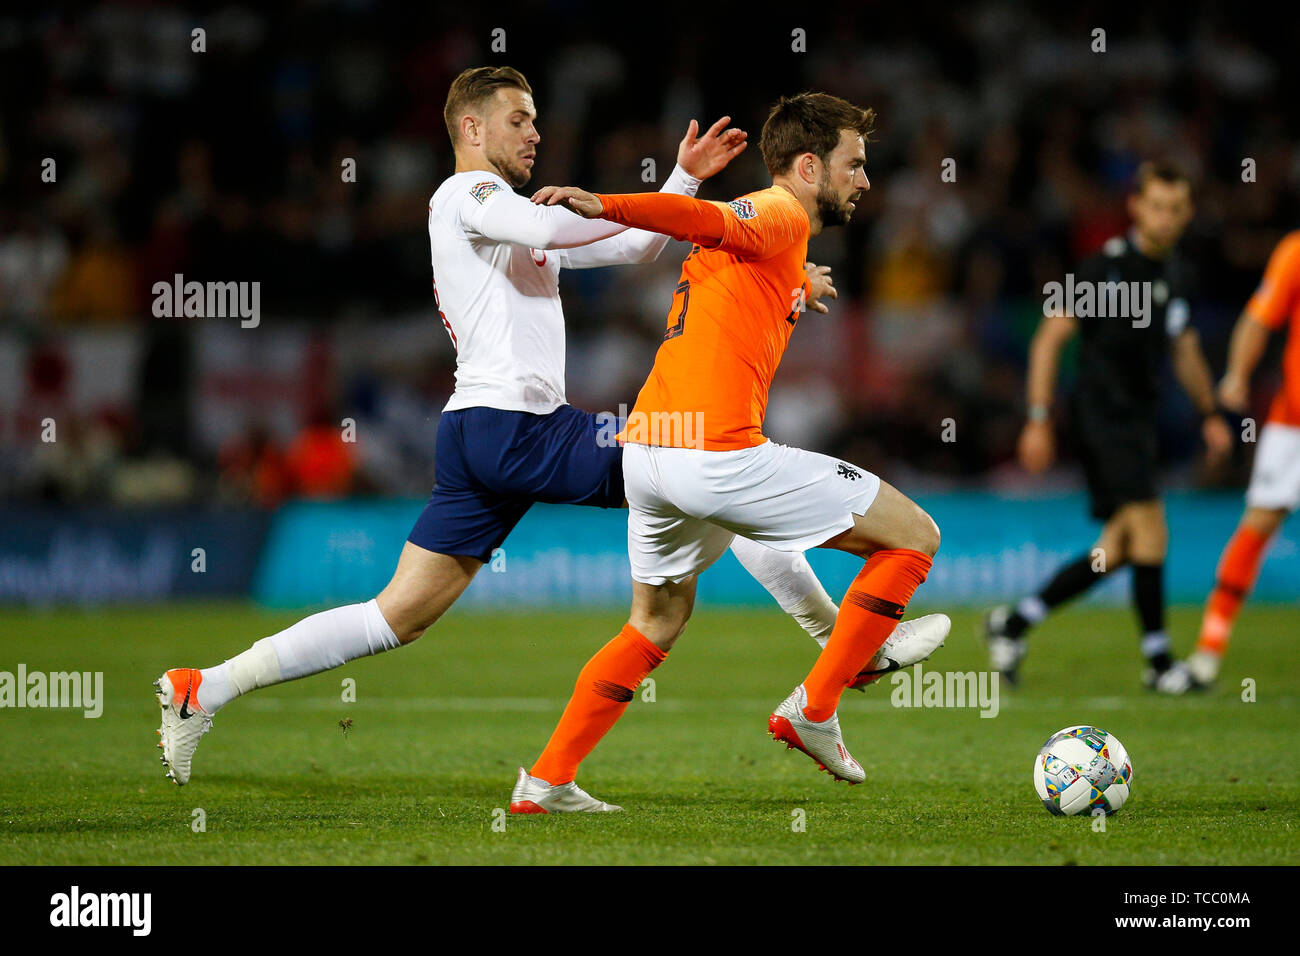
x: 681, y: 178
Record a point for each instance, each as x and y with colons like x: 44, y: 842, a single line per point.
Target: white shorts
x: 1275, y: 477
x: 686, y: 504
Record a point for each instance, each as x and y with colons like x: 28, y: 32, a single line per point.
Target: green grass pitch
x: 438, y: 730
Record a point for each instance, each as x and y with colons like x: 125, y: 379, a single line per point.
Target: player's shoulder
x: 475, y: 185
x: 773, y: 204
x: 1283, y: 269
x: 1288, y: 248
x: 745, y: 207
x: 750, y: 204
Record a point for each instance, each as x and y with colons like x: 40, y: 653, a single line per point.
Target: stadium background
x: 183, y: 434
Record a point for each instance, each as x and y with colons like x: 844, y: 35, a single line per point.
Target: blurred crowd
x: 226, y: 165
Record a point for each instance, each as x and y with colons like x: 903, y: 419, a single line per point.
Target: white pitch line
x: 850, y: 704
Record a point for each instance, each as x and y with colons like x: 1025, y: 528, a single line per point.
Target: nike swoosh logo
x: 893, y: 666
x: 186, y: 713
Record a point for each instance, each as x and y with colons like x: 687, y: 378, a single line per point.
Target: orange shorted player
x: 1274, y: 491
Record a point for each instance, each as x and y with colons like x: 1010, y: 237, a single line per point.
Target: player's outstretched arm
x: 512, y: 218
x: 632, y: 246
x: 698, y: 158
x: 572, y: 198
x: 760, y: 234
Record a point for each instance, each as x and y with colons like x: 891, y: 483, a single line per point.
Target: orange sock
x: 605, y: 687
x: 870, y: 611
x: 1238, y: 569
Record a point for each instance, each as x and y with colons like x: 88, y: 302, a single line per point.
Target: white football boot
x: 1204, y: 666
x: 820, y: 740
x: 183, y: 720
x: 1175, y: 680
x: 534, y: 795
x: 910, y: 643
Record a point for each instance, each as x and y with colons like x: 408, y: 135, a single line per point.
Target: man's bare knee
x: 927, y: 534
x: 412, y: 632
x: 405, y: 615
x: 1112, y: 544
x: 424, y: 585
x: 921, y: 532
x: 660, y: 612
x: 662, y: 630
x: 1147, y: 536
x: 892, y: 521
x: 1265, y: 521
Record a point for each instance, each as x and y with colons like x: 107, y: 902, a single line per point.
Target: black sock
x: 1070, y: 581
x: 1149, y: 602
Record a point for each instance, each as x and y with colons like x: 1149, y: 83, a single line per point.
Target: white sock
x: 1156, y: 642
x: 317, y: 643
x: 790, y: 579
x: 1032, y: 609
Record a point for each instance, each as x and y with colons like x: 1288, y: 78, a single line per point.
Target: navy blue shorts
x: 491, y: 465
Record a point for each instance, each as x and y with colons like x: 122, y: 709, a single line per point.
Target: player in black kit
x: 1129, y: 305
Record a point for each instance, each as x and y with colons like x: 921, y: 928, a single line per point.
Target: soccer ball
x: 1082, y: 769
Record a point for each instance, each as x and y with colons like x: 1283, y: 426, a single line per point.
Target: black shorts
x: 1120, y: 458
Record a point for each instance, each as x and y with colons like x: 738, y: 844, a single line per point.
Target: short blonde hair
x: 473, y: 87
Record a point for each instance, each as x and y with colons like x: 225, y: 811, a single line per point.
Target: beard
x: 512, y: 171
x: 830, y: 208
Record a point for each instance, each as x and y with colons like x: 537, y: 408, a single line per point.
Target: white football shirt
x: 496, y: 265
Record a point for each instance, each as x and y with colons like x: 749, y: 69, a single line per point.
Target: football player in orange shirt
x: 699, y: 470
x: 1274, y: 490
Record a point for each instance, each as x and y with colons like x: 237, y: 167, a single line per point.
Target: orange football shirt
x: 741, y: 292
x: 1276, y: 303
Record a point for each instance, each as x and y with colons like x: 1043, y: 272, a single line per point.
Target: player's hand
x: 820, y: 285
x: 1217, y: 434
x: 1234, y: 394
x: 571, y: 197
x: 1037, y: 447
x: 708, y: 155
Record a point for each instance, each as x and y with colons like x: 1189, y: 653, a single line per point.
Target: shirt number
x: 684, y: 290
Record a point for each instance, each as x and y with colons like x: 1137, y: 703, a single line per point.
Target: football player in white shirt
x: 507, y: 438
